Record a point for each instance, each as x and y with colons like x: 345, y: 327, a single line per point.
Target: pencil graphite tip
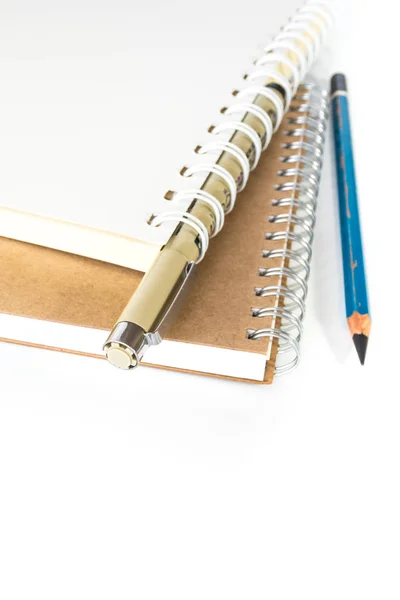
x: 361, y: 342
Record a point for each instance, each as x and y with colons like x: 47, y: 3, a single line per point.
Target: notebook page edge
x: 169, y: 354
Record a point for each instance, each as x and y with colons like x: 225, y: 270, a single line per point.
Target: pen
x: 355, y: 285
x: 151, y: 309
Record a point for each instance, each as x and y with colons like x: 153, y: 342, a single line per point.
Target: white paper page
x: 103, y: 103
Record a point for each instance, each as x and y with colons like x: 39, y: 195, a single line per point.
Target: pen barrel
x: 350, y: 228
x: 148, y: 305
x: 152, y: 307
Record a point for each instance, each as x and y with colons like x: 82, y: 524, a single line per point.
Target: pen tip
x: 361, y: 342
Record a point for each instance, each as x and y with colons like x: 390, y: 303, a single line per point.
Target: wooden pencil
x: 355, y: 284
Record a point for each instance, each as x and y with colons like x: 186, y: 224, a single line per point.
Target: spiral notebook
x: 101, y: 110
x: 243, y: 316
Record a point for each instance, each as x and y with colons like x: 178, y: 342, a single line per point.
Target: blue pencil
x: 357, y: 311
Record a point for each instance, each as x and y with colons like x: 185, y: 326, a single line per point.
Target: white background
x: 152, y: 484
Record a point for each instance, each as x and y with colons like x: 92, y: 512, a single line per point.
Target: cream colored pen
x: 151, y: 309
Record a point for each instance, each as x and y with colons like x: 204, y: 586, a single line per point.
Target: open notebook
x: 102, y: 107
x: 252, y: 282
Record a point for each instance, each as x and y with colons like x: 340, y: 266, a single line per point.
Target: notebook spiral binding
x: 299, y: 38
x: 308, y: 132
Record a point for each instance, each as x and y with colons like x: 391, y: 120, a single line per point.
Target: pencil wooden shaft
x: 350, y: 228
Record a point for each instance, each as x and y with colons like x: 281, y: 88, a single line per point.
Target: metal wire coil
x: 301, y: 39
x: 290, y: 294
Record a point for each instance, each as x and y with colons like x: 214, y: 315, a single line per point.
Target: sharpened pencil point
x: 361, y: 342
